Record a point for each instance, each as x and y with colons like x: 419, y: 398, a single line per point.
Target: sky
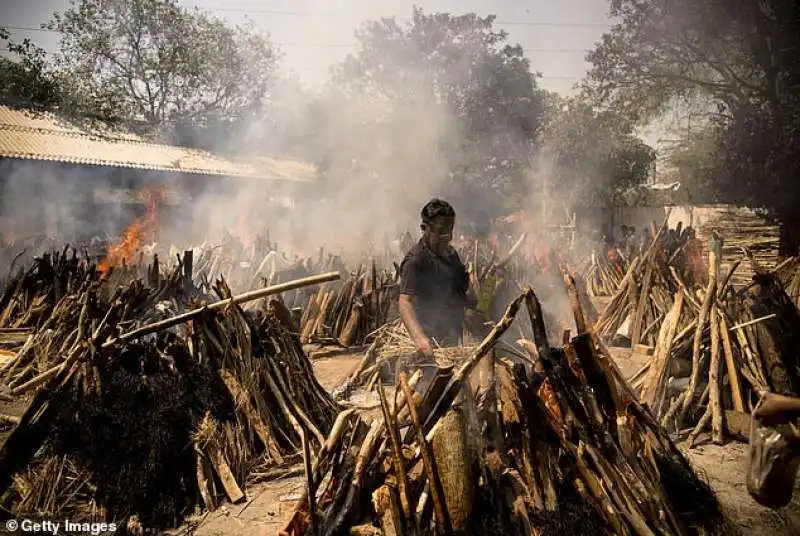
x: 316, y: 34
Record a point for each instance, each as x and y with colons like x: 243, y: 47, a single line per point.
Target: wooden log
x: 644, y: 297
x: 257, y: 424
x: 220, y: 464
x: 204, y: 479
x: 437, y: 493
x: 349, y: 331
x: 708, y: 300
x: 311, y: 489
x: 658, y: 367
x: 322, y: 317
x: 220, y: 305
x: 397, y: 456
x: 451, y: 456
x: 715, y: 391
x: 701, y: 425
x: 730, y: 365
x: 384, y: 500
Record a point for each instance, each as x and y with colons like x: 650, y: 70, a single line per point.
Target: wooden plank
x: 223, y: 470
x: 659, y: 365
x: 257, y: 424
x: 730, y: 365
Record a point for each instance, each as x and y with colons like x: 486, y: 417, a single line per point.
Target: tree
x: 740, y: 57
x: 591, y: 158
x: 25, y: 81
x: 448, y: 100
x: 161, y: 67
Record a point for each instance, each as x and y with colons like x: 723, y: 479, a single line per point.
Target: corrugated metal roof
x: 25, y: 135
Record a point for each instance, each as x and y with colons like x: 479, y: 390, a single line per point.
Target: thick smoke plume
x: 382, y: 154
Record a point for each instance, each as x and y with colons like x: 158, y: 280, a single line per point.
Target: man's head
x: 438, y: 220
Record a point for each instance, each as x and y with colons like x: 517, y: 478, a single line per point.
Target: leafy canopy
x: 25, y: 81
x: 160, y: 66
x: 591, y: 158
x: 461, y: 71
x: 739, y: 58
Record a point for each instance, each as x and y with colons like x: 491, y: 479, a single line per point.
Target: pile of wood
x: 569, y: 451
x: 125, y: 377
x: 644, y: 296
x: 717, y: 347
x: 347, y: 313
x: 602, y: 277
x: 743, y: 228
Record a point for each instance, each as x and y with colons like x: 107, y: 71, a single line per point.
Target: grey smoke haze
x: 404, y: 149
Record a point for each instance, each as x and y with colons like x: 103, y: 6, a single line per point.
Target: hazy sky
x: 315, y: 34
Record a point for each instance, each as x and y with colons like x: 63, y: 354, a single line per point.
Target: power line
x: 270, y: 11
x: 339, y: 45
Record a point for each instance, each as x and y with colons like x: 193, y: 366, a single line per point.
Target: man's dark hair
x: 435, y: 209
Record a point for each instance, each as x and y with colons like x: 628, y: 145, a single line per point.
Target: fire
x: 136, y: 234
x: 243, y: 230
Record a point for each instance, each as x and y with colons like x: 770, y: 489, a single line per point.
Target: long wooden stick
x: 505, y: 260
x: 311, y: 489
x: 454, y: 385
x: 437, y: 494
x: 715, y: 249
x: 715, y: 392
x: 730, y: 364
x: 397, y: 456
x: 234, y: 300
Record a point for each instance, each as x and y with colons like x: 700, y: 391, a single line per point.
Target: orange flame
x: 136, y: 234
x: 243, y: 230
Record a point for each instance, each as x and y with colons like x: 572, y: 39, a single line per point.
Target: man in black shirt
x: 434, y: 290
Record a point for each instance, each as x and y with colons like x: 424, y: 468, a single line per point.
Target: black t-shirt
x: 438, y: 285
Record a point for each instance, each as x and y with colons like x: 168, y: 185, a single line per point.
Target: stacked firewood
x: 643, y: 296
x: 347, y: 313
x: 717, y: 346
x: 743, y: 228
x: 125, y: 378
x: 569, y: 451
x: 602, y: 277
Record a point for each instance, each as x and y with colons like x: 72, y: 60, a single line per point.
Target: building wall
x: 71, y: 203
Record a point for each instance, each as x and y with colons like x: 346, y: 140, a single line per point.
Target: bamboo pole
x: 216, y: 306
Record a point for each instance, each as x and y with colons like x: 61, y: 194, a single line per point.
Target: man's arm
x: 410, y: 321
x: 409, y: 287
x: 773, y: 404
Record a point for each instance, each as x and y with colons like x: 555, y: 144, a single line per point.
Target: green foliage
x: 740, y: 57
x: 460, y: 73
x: 161, y: 67
x: 591, y: 158
x: 25, y: 81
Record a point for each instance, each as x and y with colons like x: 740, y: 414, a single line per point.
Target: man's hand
x: 424, y: 346
x: 772, y: 405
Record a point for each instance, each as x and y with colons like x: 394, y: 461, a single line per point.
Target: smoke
x: 384, y: 148
x: 68, y: 203
x: 382, y: 154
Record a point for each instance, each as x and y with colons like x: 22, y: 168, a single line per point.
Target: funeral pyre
x: 146, y: 406
x: 552, y: 443
x: 712, y: 344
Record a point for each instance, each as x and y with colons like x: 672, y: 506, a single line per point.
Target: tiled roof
x: 25, y: 135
